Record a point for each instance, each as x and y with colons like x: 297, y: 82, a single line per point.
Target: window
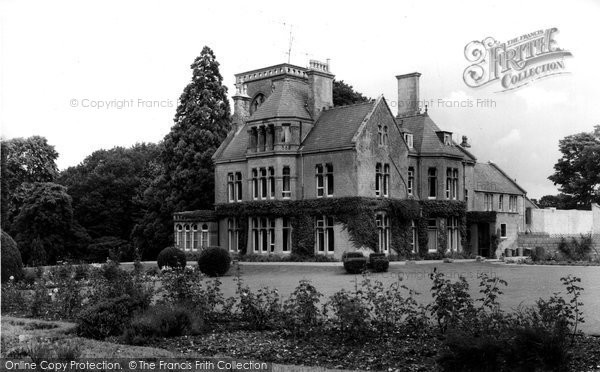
x: 230, y: 187
x: 325, y: 236
x: 285, y: 134
x: 320, y: 180
x: 179, y: 237
x: 286, y: 192
x: 263, y: 183
x: 452, y: 183
x: 385, y: 135
x: 411, y: 180
x: 264, y: 234
x: 408, y: 138
x: 234, y: 187
x: 432, y: 178
x: 414, y: 241
x: 378, y: 179
x: 447, y: 139
x: 488, y: 202
x: 467, y: 198
x: 453, y: 234
x: 386, y: 180
x: 455, y: 184
x: 271, y: 182
x: 432, y: 235
x: 255, y: 183
x: 329, y: 179
x: 187, y: 241
x: 204, y: 242
x: 194, y: 236
x: 238, y: 186
x: 271, y: 235
x: 233, y: 234
x: 512, y: 204
x: 383, y: 232
x: 500, y: 203
x: 380, y: 135
x: 503, y: 230
x: 256, y: 102
x: 324, y: 178
x: 287, y: 235
x: 255, y: 235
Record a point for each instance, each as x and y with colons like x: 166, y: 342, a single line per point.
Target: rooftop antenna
x: 289, y: 53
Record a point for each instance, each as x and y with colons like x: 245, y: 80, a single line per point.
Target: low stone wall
x: 550, y: 242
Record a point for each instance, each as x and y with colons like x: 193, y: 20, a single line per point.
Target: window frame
x: 432, y: 183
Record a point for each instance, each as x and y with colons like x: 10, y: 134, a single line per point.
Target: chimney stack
x: 408, y: 94
x: 320, y: 88
x: 241, y: 105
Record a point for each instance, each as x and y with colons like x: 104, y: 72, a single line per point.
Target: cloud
x: 511, y: 138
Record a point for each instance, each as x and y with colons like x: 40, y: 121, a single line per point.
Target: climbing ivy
x: 357, y: 216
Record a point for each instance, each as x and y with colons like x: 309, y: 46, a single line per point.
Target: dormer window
x: 256, y: 102
x: 447, y: 139
x: 408, y: 138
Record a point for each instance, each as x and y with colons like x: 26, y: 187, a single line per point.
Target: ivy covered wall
x: 357, y: 215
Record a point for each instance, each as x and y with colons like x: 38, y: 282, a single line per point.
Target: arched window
x: 188, y: 238
x: 195, y: 236
x: 179, y: 236
x: 385, y: 135
x: 256, y: 102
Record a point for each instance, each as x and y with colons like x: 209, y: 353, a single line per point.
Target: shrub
x: 539, y: 254
x: 379, y: 262
x: 171, y: 257
x: 354, y: 262
x: 576, y: 250
x: 350, y: 315
x: 110, y: 317
x: 452, y: 304
x: 163, y: 320
x: 214, y: 261
x: 11, y: 264
x: 301, y: 312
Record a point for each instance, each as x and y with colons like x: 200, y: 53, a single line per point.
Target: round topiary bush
x: 171, y: 257
x: 11, y: 259
x: 214, y: 261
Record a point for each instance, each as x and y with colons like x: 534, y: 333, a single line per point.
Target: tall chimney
x: 241, y: 105
x: 408, y: 94
x: 320, y: 88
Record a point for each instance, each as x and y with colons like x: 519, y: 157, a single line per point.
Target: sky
x: 61, y: 60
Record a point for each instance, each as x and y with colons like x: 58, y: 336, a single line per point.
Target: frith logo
x: 516, y: 62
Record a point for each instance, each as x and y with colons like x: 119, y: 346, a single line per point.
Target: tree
x: 560, y: 201
x: 578, y: 171
x: 24, y: 160
x: 45, y: 215
x: 105, y: 188
x: 187, y: 176
x: 344, y: 94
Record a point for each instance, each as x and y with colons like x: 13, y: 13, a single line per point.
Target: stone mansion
x: 298, y: 175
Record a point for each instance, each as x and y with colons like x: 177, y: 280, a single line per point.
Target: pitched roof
x: 235, y: 145
x: 489, y: 177
x: 425, y: 139
x: 337, y: 126
x: 287, y: 100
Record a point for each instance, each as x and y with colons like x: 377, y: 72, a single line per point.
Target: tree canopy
x: 106, y: 188
x: 578, y: 170
x: 344, y: 94
x: 186, y: 181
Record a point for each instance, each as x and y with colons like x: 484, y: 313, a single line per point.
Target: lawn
x: 526, y: 283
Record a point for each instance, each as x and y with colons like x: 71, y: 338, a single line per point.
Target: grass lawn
x: 526, y: 283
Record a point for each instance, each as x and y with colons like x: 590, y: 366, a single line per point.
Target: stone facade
x: 289, y: 144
